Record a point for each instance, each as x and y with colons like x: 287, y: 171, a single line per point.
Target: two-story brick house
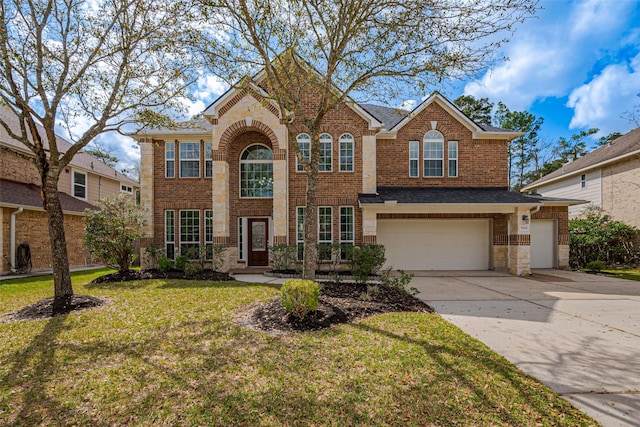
x: 22, y: 216
x: 430, y: 185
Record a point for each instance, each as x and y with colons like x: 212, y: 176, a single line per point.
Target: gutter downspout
x: 12, y: 243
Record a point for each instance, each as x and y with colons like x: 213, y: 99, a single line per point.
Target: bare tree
x: 105, y: 63
x: 336, y: 49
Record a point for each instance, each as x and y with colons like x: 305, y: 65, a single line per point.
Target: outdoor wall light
x: 525, y: 218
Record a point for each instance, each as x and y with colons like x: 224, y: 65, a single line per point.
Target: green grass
x: 624, y: 274
x: 169, y: 353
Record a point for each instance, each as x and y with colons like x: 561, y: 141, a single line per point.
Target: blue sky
x: 577, y: 65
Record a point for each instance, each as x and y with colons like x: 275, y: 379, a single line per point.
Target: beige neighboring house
x: 608, y: 177
x: 85, y: 180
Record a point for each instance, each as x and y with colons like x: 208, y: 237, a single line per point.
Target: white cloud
x: 551, y: 55
x: 600, y: 102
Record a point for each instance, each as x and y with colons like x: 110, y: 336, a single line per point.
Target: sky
x: 576, y: 65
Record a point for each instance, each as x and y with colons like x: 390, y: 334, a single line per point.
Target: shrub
x: 181, y: 262
x: 112, y: 230
x: 193, y: 267
x: 597, y: 237
x: 299, y: 297
x: 596, y: 265
x: 366, y: 260
x: 282, y: 256
x: 165, y: 263
x: 400, y: 282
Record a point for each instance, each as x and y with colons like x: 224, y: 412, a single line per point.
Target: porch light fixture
x: 525, y: 218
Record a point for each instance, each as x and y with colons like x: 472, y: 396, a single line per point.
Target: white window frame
x: 187, y: 159
x: 351, y: 225
x: 325, y: 162
x: 208, y: 234
x: 583, y: 180
x: 84, y: 187
x: 170, y: 240
x: 432, y: 137
x: 169, y: 158
x: 188, y: 242
x: 452, y: 145
x: 325, y: 241
x: 414, y: 156
x: 243, y: 162
x: 305, y: 151
x: 346, y: 145
x: 124, y: 188
x: 208, y: 160
x: 300, y: 215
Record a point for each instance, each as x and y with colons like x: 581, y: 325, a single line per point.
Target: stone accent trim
x: 241, y: 94
x: 240, y: 127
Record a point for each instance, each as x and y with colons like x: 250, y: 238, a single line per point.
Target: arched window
x: 346, y: 152
x: 256, y: 172
x: 304, y: 143
x: 326, y: 149
x: 433, y: 154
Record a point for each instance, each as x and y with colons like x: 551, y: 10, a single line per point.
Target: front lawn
x: 624, y: 274
x: 167, y: 352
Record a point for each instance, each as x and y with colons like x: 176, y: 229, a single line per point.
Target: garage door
x: 419, y: 244
x: 543, y: 243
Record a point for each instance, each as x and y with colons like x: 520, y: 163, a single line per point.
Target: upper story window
x: 326, y: 148
x: 208, y: 159
x: 304, y: 144
x: 170, y: 160
x: 79, y: 185
x: 583, y: 181
x: 414, y: 156
x: 256, y: 172
x: 453, y: 159
x: 433, y: 154
x: 189, y: 160
x: 346, y: 152
x: 126, y: 188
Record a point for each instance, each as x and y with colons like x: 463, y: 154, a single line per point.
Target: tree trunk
x: 310, y: 253
x: 63, y: 291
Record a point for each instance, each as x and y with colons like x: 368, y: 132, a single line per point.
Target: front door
x: 258, y: 240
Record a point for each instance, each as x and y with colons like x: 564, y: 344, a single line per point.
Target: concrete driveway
x: 577, y: 333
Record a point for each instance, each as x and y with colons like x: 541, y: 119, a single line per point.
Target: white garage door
x: 432, y: 244
x: 543, y: 243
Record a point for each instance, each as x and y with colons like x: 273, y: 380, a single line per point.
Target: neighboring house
x: 430, y: 185
x: 23, y: 218
x: 608, y: 177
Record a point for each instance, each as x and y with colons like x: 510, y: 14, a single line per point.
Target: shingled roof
x: 430, y: 195
x: 16, y: 194
x: 81, y: 160
x: 623, y: 147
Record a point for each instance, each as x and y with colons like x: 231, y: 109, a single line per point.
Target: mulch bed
x: 130, y: 275
x: 338, y: 303
x: 43, y: 309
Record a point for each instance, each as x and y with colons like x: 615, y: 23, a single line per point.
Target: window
x: 126, y: 189
x: 346, y: 153
x: 208, y: 160
x: 433, y: 154
x: 208, y: 233
x: 170, y: 160
x: 304, y: 144
x: 325, y: 232
x: 189, y: 160
x: 189, y: 230
x: 300, y: 231
x: 414, y: 155
x: 583, y: 181
x: 80, y: 185
x: 346, y: 231
x: 256, y: 172
x: 170, y: 234
x: 453, y: 159
x: 326, y: 161
x: 241, y: 239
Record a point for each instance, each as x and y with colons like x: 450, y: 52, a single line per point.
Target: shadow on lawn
x: 28, y: 382
x: 177, y: 284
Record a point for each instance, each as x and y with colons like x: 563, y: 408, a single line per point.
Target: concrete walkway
x: 577, y: 333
